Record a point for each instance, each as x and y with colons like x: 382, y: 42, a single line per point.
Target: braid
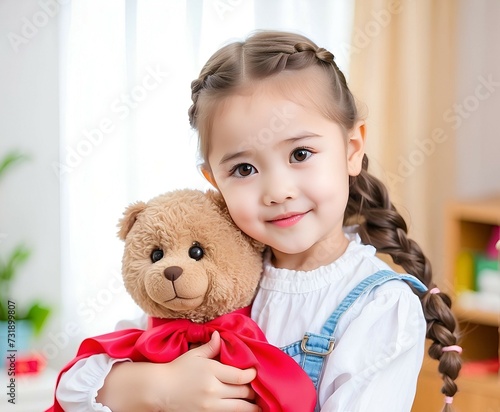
x: 384, y: 228
x: 196, y: 86
x: 263, y: 55
x: 219, y: 73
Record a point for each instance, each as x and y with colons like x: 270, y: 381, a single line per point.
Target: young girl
x: 282, y: 140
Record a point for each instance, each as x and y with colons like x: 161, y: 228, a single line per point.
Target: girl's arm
x: 192, y: 382
x: 376, y: 362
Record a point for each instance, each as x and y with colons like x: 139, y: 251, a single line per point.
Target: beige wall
x: 477, y: 114
x: 429, y: 73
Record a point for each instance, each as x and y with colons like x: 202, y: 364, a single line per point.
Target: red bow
x: 281, y: 385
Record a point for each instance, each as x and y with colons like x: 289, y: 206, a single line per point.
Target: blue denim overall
x: 314, y: 348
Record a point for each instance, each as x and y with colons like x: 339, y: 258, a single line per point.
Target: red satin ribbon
x: 281, y: 385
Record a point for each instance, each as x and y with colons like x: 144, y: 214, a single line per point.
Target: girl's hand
x: 193, y: 382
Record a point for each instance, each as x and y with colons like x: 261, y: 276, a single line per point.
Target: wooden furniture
x: 468, y: 227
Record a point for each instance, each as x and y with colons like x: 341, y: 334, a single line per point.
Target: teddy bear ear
x: 217, y: 199
x: 129, y: 218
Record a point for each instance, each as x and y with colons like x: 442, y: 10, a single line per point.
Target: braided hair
x: 269, y: 53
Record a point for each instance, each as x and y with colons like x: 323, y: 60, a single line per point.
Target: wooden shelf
x: 468, y: 227
x: 475, y: 392
x: 480, y: 211
x: 488, y: 385
x: 477, y: 316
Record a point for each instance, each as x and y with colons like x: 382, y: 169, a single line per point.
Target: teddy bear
x: 193, y: 272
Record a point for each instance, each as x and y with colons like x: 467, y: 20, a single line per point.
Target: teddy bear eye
x: 156, y: 255
x: 196, y: 251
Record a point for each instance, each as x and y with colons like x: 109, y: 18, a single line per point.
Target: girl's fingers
x: 234, y: 376
x: 239, y: 392
x: 238, y: 405
x: 224, y: 373
x: 208, y: 350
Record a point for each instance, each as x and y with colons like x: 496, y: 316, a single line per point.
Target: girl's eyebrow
x: 231, y: 156
x: 300, y: 136
x: 245, y: 153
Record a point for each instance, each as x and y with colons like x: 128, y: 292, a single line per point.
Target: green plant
x: 10, y: 159
x: 36, y: 313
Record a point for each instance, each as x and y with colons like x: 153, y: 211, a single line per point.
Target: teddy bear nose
x: 172, y: 272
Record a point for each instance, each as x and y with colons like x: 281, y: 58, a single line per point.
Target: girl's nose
x: 278, y: 189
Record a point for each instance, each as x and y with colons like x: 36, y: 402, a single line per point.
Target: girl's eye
x: 156, y: 255
x: 243, y: 170
x: 196, y: 252
x: 300, y: 155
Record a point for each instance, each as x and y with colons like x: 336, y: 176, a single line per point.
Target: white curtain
x: 126, y: 71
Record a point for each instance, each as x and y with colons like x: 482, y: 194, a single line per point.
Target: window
x: 127, y: 68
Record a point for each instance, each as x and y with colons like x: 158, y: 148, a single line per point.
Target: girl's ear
x: 207, y: 174
x: 356, y: 149
x: 129, y: 218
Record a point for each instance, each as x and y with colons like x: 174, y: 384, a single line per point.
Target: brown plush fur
x: 223, y: 280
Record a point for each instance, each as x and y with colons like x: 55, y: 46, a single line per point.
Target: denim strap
x: 313, y: 348
x: 365, y: 286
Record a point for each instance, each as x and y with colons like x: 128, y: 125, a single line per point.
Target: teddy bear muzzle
x: 177, y: 287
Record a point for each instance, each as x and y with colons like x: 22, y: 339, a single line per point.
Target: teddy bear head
x: 185, y: 258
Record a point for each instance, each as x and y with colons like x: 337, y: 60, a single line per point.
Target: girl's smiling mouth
x: 288, y: 219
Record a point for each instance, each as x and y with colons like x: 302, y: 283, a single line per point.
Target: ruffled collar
x: 299, y: 281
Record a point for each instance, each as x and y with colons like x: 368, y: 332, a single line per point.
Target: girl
x: 282, y: 140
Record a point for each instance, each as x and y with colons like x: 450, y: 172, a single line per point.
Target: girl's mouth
x: 287, y: 220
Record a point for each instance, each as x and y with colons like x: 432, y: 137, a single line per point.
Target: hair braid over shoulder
x: 383, y: 227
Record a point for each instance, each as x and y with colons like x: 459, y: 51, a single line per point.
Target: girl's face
x: 283, y: 169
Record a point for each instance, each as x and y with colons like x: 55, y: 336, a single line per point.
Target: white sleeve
x: 375, y: 364
x: 78, y: 387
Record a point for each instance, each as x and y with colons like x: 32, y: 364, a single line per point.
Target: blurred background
x: 93, y: 116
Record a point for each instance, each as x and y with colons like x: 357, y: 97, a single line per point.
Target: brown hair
x: 268, y: 53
